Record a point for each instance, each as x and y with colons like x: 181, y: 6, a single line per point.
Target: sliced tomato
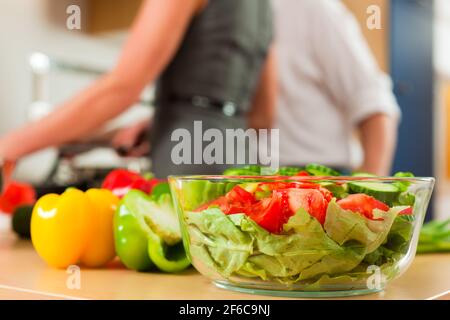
x: 237, y: 200
x: 407, y: 211
x: 302, y: 174
x: 272, y: 213
x: 281, y: 200
x: 363, y: 204
x: 271, y: 186
x: 221, y: 203
x: 266, y: 186
x: 327, y: 194
x: 240, y: 195
x: 313, y: 201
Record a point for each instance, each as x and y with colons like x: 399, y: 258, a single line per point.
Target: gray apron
x: 220, y: 59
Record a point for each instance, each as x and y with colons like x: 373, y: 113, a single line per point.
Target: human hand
x: 132, y: 141
x: 7, y: 168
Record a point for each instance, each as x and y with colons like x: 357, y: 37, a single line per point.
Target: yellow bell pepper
x: 75, y: 227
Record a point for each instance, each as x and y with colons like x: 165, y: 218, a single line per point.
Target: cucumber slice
x: 363, y: 174
x: 403, y: 185
x: 384, y: 192
x: 251, y: 170
x: 288, y: 171
x: 404, y: 175
x: 239, y: 172
x: 319, y: 170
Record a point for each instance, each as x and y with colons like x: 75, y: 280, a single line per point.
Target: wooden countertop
x: 23, y: 275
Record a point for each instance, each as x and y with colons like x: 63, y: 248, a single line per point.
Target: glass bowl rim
x: 420, y: 180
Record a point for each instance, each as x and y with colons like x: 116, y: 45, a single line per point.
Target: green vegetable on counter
x: 21, y: 221
x: 435, y: 237
x: 147, y: 234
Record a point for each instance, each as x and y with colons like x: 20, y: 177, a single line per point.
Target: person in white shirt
x: 330, y: 87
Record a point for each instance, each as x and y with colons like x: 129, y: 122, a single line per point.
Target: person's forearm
x: 378, y: 138
x: 81, y: 115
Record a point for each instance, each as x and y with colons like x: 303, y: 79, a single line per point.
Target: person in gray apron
x: 211, y: 79
x: 210, y: 57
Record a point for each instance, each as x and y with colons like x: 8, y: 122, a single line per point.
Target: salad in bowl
x: 301, y: 232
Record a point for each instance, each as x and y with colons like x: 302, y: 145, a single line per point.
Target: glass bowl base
x: 295, y: 293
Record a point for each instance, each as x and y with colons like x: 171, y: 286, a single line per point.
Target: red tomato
x: 240, y: 195
x: 120, y: 181
x: 302, y: 174
x: 298, y: 185
x: 272, y: 213
x: 270, y: 186
x: 221, y: 203
x: 16, y: 195
x: 363, y: 204
x: 313, y: 201
x: 237, y: 200
x: 407, y: 211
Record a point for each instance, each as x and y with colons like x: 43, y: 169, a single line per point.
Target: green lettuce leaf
x: 356, y: 279
x: 345, y: 226
x: 283, y: 256
x: 435, y: 237
x: 400, y: 234
x: 217, y: 241
x: 235, y: 243
x: 305, y: 253
x: 249, y: 269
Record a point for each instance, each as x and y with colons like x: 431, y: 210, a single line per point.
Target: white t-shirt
x: 329, y: 82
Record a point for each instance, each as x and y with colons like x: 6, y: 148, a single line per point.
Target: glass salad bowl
x: 301, y: 236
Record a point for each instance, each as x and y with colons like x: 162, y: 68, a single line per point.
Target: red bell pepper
x: 120, y: 181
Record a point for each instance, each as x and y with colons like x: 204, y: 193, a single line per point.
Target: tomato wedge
x: 281, y: 200
x: 328, y: 195
x: 363, y: 204
x: 240, y: 195
x: 407, y: 211
x: 221, y: 203
x: 272, y: 213
x: 313, y: 201
x: 237, y: 200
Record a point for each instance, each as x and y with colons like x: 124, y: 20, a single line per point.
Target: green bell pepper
x: 146, y: 233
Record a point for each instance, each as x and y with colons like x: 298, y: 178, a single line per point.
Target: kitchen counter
x: 23, y: 275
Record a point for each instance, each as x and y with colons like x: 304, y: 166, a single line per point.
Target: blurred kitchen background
x: 43, y: 63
